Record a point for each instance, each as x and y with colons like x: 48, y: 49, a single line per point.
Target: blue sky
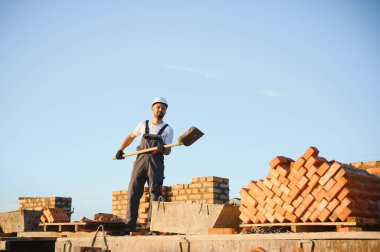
x: 260, y: 78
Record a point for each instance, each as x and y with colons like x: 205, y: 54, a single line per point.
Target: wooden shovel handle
x: 149, y: 150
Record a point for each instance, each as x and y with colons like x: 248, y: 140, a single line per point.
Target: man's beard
x: 160, y: 115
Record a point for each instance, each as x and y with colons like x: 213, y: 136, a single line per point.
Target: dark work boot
x: 129, y: 228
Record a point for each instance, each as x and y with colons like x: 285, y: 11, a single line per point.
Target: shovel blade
x: 190, y: 136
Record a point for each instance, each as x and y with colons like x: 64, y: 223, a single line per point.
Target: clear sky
x: 259, y: 78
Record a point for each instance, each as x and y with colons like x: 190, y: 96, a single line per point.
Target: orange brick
x: 349, y: 229
x: 257, y: 249
x: 259, y: 200
x: 251, y: 209
x: 262, y: 186
x: 313, y: 206
x: 210, y: 195
x: 347, y: 201
x: 244, y: 194
x: 291, y: 217
x: 269, y: 217
x: 329, y: 184
x: 311, y: 171
x: 285, y: 189
x: 321, y: 194
x: 273, y: 174
x: 302, y: 182
x: 278, y: 160
x: 314, y: 161
x: 286, y: 198
x: 316, y: 190
x: 334, y: 215
x: 311, y: 151
x: 343, y: 194
x: 310, y: 186
x: 270, y: 202
x: 283, y: 180
x: 283, y: 170
x: 268, y: 184
x: 330, y: 172
x: 277, y: 191
x: 279, y: 217
x: 324, y: 215
x: 261, y: 209
x: 332, y: 205
x: 302, y: 171
x: 291, y: 165
x: 299, y: 163
x: 278, y: 200
x: 195, y: 196
x: 339, y: 174
x: 314, y: 215
x: 250, y: 215
x: 298, y: 250
x: 307, y: 199
x: 261, y: 218
x: 291, y: 174
x: 323, y: 169
x: 294, y: 192
x: 322, y: 205
x: 300, y: 210
x: 336, y: 188
x: 280, y: 210
x: 297, y: 201
x: 292, y: 184
x: 221, y: 231
x: 215, y: 179
x: 288, y: 207
x: 275, y: 182
x: 305, y: 216
x: 268, y: 209
x: 243, y: 217
x: 255, y: 191
x: 43, y: 219
x: 344, y: 213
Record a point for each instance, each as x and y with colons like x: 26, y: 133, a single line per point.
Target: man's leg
x: 155, y: 181
x: 135, y: 192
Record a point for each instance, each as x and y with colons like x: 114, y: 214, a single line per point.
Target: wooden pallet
x: 352, y: 224
x: 82, y: 226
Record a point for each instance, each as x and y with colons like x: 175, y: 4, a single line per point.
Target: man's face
x: 159, y: 110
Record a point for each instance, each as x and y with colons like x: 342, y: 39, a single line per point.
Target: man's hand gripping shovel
x: 187, y: 139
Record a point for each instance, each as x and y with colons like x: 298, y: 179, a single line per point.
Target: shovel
x: 187, y: 139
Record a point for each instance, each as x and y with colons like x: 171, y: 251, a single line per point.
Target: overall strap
x: 162, y: 129
x: 146, y: 127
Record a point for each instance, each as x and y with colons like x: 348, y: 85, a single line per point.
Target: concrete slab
x: 183, y: 218
x: 19, y: 221
x: 324, y: 241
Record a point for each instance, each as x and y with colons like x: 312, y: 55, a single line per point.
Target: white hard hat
x: 160, y: 100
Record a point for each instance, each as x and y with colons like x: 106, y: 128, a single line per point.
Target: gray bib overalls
x: 147, y: 167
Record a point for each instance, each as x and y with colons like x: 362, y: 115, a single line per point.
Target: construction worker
x: 148, y: 167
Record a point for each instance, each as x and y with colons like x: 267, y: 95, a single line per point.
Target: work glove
x: 160, y: 147
x: 119, y: 155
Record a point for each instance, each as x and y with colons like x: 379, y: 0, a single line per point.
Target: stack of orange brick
x: 372, y: 167
x: 211, y: 190
x: 310, y: 189
x: 54, y: 215
x: 40, y: 203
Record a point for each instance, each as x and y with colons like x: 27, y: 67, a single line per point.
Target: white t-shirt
x: 167, y: 135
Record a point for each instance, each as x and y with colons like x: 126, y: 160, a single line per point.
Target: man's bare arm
x: 128, y: 140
